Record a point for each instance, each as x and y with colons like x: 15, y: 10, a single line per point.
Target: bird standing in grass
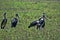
x: 39, y: 23
x: 4, y: 21
x: 14, y: 21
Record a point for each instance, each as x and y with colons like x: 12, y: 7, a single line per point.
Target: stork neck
x: 4, y: 17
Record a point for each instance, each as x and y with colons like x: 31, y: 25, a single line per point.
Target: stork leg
x: 2, y: 27
x: 43, y: 25
x: 38, y: 26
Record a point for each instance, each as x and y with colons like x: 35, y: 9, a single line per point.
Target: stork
x: 4, y: 21
x: 14, y: 21
x: 39, y: 23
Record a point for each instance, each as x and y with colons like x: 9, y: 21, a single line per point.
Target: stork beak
x: 18, y: 16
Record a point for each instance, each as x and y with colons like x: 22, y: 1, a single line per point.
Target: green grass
x: 30, y: 11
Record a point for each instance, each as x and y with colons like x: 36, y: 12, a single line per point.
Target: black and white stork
x: 4, y: 21
x: 14, y: 21
x: 39, y: 23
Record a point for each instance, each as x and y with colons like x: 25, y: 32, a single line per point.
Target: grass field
x: 28, y: 12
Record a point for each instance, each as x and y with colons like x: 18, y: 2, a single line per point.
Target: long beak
x: 18, y: 16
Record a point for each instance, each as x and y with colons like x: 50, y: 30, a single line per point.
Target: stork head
x: 43, y: 15
x: 17, y: 15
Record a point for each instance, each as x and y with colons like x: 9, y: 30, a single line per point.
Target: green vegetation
x: 30, y: 11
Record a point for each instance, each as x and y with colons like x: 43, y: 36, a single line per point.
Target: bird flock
x: 40, y: 23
